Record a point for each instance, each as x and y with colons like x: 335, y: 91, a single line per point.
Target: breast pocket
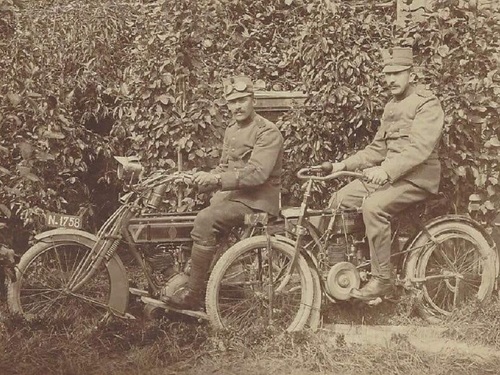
x: 397, y: 140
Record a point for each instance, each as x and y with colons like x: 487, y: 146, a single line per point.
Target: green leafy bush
x: 82, y: 81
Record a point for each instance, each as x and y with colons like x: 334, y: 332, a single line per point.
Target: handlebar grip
x: 327, y: 167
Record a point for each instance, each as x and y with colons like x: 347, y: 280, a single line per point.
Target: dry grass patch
x: 176, y: 346
x: 476, y: 324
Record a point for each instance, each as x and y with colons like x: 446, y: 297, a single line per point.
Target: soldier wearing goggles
x: 248, y: 178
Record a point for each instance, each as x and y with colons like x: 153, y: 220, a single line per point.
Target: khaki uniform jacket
x: 406, y: 144
x: 251, y: 164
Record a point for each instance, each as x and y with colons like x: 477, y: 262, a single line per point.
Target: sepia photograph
x: 249, y: 187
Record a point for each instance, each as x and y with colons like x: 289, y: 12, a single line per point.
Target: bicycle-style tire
x: 41, y: 291
x: 239, y: 293
x: 457, y: 266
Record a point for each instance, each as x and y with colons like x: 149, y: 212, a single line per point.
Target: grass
x: 178, y: 346
x: 476, y: 324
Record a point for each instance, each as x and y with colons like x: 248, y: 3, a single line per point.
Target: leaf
x: 64, y: 120
x: 493, y: 142
x: 32, y: 94
x: 53, y: 135
x: 23, y: 171
x: 14, y: 98
x: 164, y: 99
x: 491, y: 190
x: 124, y: 89
x: 26, y: 150
x: 32, y: 177
x: 4, y: 171
x: 443, y: 50
x: 282, y: 64
x: 5, y: 210
x: 489, y: 205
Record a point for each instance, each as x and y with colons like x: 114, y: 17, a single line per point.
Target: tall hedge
x: 82, y: 81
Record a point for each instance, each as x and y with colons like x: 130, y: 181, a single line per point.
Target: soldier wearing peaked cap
x: 249, y: 179
x: 401, y: 165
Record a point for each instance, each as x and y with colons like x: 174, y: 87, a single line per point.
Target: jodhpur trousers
x: 378, y: 204
x: 216, y: 219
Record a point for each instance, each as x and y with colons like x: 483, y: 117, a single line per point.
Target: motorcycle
x: 276, y: 274
x: 75, y: 275
x: 323, y: 254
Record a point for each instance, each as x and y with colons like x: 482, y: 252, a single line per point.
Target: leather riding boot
x: 191, y: 296
x: 376, y: 287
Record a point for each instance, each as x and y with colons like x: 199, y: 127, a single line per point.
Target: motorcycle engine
x: 165, y: 261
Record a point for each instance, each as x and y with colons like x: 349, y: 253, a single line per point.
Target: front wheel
x: 453, y: 266
x: 41, y: 290
x: 251, y: 286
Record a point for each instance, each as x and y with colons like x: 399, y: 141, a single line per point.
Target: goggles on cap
x: 239, y: 86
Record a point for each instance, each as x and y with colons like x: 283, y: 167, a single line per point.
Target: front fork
x: 300, y: 232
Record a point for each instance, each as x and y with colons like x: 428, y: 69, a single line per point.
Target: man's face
x: 398, y: 82
x: 241, y: 108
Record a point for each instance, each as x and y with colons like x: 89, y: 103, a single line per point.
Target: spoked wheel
x: 42, y: 291
x: 456, y: 267
x: 251, y: 286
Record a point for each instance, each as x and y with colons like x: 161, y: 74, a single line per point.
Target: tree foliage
x: 82, y: 81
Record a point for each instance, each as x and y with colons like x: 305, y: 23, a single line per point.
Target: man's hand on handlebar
x: 206, y: 179
x: 376, y: 175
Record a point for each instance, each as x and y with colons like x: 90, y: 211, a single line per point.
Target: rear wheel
x: 42, y: 291
x: 251, y: 287
x: 455, y: 266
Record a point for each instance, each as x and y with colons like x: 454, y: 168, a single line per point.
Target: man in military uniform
x: 401, y: 165
x: 249, y: 179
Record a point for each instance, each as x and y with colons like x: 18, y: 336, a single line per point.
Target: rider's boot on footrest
x: 184, y: 299
x: 375, y: 288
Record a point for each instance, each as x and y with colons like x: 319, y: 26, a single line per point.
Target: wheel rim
x: 44, y: 292
x: 453, y: 273
x: 247, y: 298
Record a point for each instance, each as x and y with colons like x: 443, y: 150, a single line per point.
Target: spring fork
x: 105, y: 246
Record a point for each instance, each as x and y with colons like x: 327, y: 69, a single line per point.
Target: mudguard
x: 446, y: 219
x: 64, y: 233
x: 315, y: 315
x: 119, y: 293
x: 462, y: 219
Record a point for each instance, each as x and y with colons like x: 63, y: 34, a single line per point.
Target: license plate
x: 55, y: 220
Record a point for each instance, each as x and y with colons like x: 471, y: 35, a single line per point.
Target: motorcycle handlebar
x: 303, y: 174
x: 174, y: 177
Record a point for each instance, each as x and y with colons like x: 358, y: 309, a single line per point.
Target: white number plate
x: 55, y: 220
